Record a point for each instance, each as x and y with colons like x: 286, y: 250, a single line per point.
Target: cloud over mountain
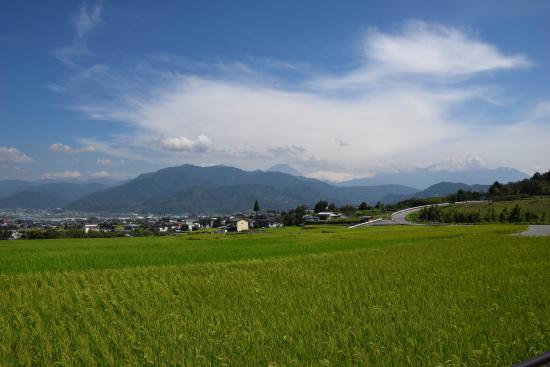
x: 407, y: 100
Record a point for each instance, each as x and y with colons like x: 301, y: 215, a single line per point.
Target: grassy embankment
x: 396, y: 296
x: 537, y: 205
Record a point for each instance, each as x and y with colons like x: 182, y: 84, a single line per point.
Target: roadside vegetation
x: 317, y: 295
x: 529, y: 211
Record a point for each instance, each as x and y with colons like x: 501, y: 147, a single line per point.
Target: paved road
x: 536, y: 230
x: 399, y: 217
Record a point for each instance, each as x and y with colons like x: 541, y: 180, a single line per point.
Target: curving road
x: 536, y: 230
x: 397, y: 218
x: 400, y: 216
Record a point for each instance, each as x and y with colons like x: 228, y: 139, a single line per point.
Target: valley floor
x: 378, y: 296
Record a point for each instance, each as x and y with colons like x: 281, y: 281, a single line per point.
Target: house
x: 267, y: 221
x: 91, y: 227
x: 239, y: 225
x: 131, y: 227
x: 310, y: 218
x: 15, y: 235
x: 326, y: 215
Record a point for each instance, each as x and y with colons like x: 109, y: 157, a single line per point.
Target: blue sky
x: 336, y: 89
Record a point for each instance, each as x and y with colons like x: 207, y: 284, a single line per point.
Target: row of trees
x: 323, y: 205
x: 539, y: 184
x: 452, y: 215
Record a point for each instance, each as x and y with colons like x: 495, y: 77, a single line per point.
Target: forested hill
x: 221, y: 189
x: 539, y: 184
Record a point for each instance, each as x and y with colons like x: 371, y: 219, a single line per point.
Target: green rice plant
x: 395, y: 296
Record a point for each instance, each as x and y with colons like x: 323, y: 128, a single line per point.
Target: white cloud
x: 104, y: 162
x: 397, y: 107
x: 124, y: 149
x: 184, y: 144
x: 457, y: 163
x: 436, y: 49
x: 8, y: 154
x: 424, y: 49
x: 100, y: 174
x: 332, y: 176
x: 61, y: 175
x: 62, y: 148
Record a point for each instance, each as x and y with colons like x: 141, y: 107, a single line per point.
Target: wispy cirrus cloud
x: 405, y: 103
x: 87, y: 18
x: 422, y: 49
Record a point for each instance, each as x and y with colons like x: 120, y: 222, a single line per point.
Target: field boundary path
x: 369, y: 223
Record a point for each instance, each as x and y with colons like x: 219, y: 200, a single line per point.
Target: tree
x: 531, y: 217
x: 348, y: 209
x: 256, y: 207
x: 495, y: 188
x: 320, y: 206
x: 515, y: 214
x: 363, y: 206
x: 490, y: 215
x: 332, y: 207
x: 503, y: 216
x: 294, y: 216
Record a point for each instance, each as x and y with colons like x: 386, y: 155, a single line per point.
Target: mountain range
x: 38, y: 195
x: 209, y: 190
x: 222, y: 189
x: 423, y: 178
x: 438, y: 190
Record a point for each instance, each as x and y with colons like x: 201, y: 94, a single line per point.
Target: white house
x: 15, y: 235
x: 91, y: 227
x: 239, y: 225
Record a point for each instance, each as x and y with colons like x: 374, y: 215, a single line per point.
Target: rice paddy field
x: 320, y: 296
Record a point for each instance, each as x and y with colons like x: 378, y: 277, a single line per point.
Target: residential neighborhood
x: 36, y: 224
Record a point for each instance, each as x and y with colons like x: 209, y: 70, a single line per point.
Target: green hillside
x: 534, y: 210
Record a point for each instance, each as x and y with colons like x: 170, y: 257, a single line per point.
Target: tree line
x: 490, y: 215
x: 538, y: 184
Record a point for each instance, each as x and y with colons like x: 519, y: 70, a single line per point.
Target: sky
x: 336, y: 89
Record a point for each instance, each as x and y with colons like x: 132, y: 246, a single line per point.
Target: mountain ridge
x: 423, y: 178
x: 438, y: 190
x: 189, y: 188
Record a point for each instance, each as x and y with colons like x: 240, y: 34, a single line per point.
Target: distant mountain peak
x: 284, y: 168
